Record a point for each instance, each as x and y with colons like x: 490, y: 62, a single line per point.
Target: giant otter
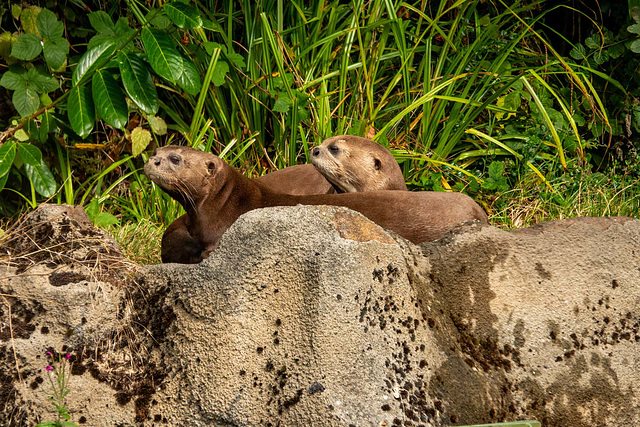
x: 353, y: 164
x: 214, y: 195
x: 177, y: 243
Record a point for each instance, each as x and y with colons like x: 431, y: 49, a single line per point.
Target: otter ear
x: 211, y: 167
x: 377, y: 164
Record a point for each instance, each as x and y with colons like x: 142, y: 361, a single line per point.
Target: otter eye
x: 174, y: 158
x: 333, y: 149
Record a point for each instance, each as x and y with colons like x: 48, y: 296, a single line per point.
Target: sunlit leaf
x: 140, y: 139
x: 6, y: 41
x: 158, y: 125
x: 28, y: 19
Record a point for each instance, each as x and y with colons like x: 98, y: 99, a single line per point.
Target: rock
x: 548, y: 313
x: 315, y: 316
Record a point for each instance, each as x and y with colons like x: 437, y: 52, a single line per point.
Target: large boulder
x: 316, y: 316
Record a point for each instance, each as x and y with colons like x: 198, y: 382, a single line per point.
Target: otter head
x: 350, y: 163
x: 185, y: 174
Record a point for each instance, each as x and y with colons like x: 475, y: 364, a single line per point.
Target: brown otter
x: 214, y: 195
x: 178, y: 245
x: 353, y: 164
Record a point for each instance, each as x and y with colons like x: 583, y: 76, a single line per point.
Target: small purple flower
x: 67, y: 355
x: 49, y: 368
x: 49, y: 353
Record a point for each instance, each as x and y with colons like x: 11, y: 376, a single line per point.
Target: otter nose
x: 156, y: 160
x: 315, y: 152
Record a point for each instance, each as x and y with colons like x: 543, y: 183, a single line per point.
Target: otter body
x: 355, y: 164
x: 177, y: 243
x: 214, y: 195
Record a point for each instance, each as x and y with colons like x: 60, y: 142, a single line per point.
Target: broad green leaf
x: 190, y: 78
x: 140, y: 139
x: 81, y: 111
x: 28, y: 19
x: 7, y: 154
x: 635, y: 46
x: 183, y: 15
x: 138, y: 82
x: 102, y: 22
x: 93, y: 59
x: 109, y: 99
x: 162, y: 53
x: 41, y: 81
x: 55, y: 52
x: 48, y: 25
x: 27, y: 47
x: 14, y: 79
x: 26, y: 101
x: 41, y: 179
x: 158, y: 125
x: 221, y: 70
x: 30, y: 154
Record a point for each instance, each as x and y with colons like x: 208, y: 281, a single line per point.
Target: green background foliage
x: 492, y: 98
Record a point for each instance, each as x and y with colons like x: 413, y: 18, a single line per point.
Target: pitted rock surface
x: 314, y: 316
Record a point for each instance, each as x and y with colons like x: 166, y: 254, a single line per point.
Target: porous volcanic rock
x: 313, y: 315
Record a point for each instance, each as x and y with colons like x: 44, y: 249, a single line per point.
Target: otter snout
x: 315, y: 152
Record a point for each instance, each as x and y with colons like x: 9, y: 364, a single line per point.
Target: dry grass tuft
x: 58, y: 235
x: 140, y: 241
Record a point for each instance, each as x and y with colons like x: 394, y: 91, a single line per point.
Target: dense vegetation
x: 531, y: 107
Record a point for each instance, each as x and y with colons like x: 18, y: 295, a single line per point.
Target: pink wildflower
x: 67, y: 355
x: 49, y: 368
x: 49, y: 353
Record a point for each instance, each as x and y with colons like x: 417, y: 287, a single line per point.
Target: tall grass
x: 413, y: 75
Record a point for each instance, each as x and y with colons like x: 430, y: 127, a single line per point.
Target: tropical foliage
x: 469, y: 96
